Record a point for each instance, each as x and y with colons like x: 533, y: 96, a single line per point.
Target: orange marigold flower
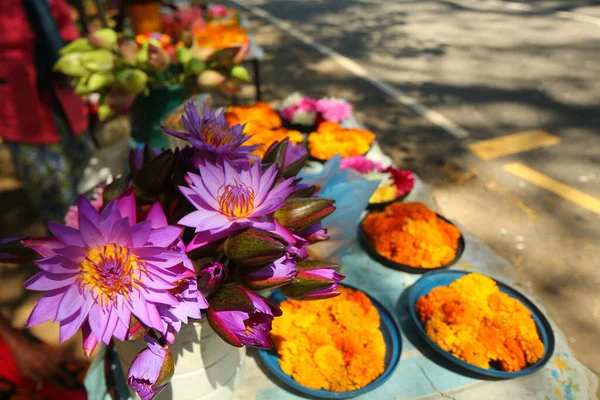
x: 263, y: 124
x: 331, y: 139
x: 332, y: 344
x: 220, y: 36
x: 477, y: 323
x: 411, y: 234
x: 258, y: 114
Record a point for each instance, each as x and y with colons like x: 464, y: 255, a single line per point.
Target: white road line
x: 530, y: 9
x: 358, y: 70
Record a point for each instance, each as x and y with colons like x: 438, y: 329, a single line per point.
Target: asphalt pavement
x: 432, y: 79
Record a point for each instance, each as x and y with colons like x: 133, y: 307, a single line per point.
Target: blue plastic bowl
x: 432, y: 280
x: 393, y: 343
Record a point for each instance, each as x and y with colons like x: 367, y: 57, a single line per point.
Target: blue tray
x: 393, y: 343
x: 372, y: 252
x: 434, y: 279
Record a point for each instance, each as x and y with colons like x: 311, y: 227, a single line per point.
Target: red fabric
x: 9, y: 373
x: 26, y: 115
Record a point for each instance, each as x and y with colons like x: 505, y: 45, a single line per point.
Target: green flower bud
x: 300, y: 213
x: 98, y: 60
x: 195, y: 67
x: 99, y: 80
x: 76, y: 46
x: 103, y: 38
x: 210, y: 78
x: 184, y: 55
x: 253, y: 247
x: 70, y: 64
x: 240, y: 73
x: 132, y: 80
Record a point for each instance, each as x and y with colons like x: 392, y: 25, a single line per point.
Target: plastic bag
x: 351, y: 193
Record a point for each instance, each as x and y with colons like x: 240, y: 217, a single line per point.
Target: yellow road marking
x: 554, y: 186
x: 512, y: 144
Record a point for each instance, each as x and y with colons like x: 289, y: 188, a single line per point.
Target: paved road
x: 487, y: 68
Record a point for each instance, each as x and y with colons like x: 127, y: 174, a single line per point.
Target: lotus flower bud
x: 81, y: 87
x: 103, y: 38
x: 210, y: 277
x: 158, y: 58
x: 99, y: 80
x: 104, y: 112
x: 210, y: 78
x: 240, y: 73
x: 76, y: 46
x: 136, y: 330
x: 254, y: 247
x: 300, y: 213
x: 271, y: 275
x: 101, y: 60
x: 151, y: 370
x: 223, y: 57
x: 289, y: 157
x: 241, y: 317
x: 315, y: 280
x: 129, y: 50
x: 184, y: 55
x: 70, y: 64
x: 196, y: 67
x: 132, y: 80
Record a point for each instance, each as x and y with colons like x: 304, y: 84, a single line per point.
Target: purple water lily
x: 151, y: 370
x: 230, y: 198
x: 271, y: 275
x: 98, y: 276
x: 211, y: 136
x: 241, y: 317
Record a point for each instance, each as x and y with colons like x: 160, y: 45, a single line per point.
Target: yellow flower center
x: 236, y: 200
x: 110, y: 271
x: 217, y: 135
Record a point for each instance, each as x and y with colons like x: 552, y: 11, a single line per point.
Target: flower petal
x: 67, y: 235
x: 91, y: 235
x: 44, y: 281
x: 157, y: 216
x: 45, y: 308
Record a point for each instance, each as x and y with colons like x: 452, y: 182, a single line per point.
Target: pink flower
x: 308, y: 104
x: 334, y: 110
x: 360, y: 164
x: 218, y: 11
x: 72, y: 217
